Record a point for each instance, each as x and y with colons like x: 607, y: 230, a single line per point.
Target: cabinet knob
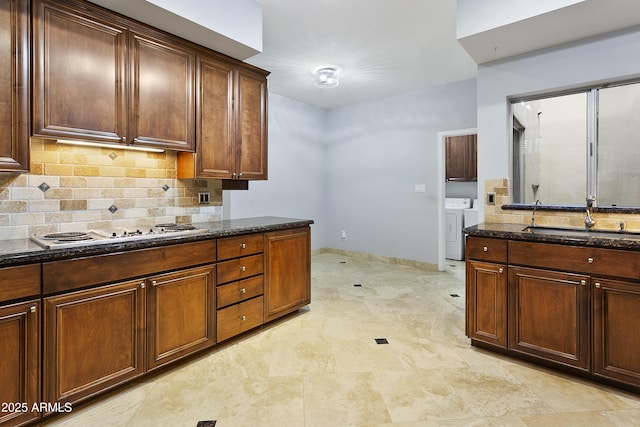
x: 32, y: 309
x: 243, y: 268
x: 243, y: 291
x: 233, y: 175
x: 583, y: 282
x: 500, y: 270
x: 598, y: 285
x: 243, y: 318
x: 485, y: 249
x: 590, y: 260
x: 240, y: 175
x: 124, y: 139
x: 153, y: 282
x: 142, y: 285
x: 242, y: 245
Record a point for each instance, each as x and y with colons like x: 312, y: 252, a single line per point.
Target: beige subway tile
x: 156, y: 173
x: 13, y: 206
x: 86, y: 216
x: 135, y: 172
x: 74, y: 159
x: 112, y: 193
x: 37, y: 168
x: 147, y: 183
x: 56, y: 169
x: 100, y: 182
x: 84, y: 193
x: 126, y: 183
x: 25, y: 193
x: 124, y: 162
x: 73, y: 205
x: 86, y: 171
x: 49, y: 205
x: 5, y: 219
x: 58, y: 217
x: 13, y: 232
x: 59, y: 193
x: 111, y: 171
x: 27, y: 218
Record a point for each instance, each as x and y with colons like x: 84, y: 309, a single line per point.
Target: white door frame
x: 441, y: 181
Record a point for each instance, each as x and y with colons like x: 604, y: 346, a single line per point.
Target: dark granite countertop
x: 24, y: 251
x: 611, y: 240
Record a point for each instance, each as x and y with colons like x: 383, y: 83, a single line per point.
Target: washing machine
x: 471, y: 214
x: 454, y: 224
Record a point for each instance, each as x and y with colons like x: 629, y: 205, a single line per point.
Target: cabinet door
x: 180, y: 314
x: 486, y: 307
x: 287, y: 272
x: 14, y: 85
x: 251, y: 125
x: 214, y: 112
x: 461, y: 158
x: 19, y: 361
x: 162, y: 93
x: 616, y: 326
x: 79, y: 74
x: 93, y: 340
x: 549, y: 314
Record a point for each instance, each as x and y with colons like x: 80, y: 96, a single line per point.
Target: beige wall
x: 85, y: 181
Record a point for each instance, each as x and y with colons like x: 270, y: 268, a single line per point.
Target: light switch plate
x: 420, y: 188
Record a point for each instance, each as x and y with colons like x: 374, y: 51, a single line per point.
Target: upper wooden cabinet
x: 231, y: 121
x: 461, y: 158
x: 100, y: 77
x: 15, y: 40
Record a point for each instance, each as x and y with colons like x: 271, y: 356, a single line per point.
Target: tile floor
x: 322, y: 367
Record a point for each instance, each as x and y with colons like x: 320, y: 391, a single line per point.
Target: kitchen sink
x: 582, y: 232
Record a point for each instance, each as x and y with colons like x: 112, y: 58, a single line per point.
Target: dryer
x: 454, y: 225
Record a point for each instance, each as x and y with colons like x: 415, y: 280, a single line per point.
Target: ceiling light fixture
x: 327, y: 76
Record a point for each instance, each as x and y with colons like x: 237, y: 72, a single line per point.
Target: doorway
x: 442, y: 136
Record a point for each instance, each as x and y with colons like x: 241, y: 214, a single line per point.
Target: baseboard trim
x: 372, y: 257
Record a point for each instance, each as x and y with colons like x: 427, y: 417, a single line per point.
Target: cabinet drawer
x: 234, y: 247
x: 485, y: 249
x: 240, y: 268
x: 77, y: 273
x: 19, y: 282
x: 241, y: 290
x: 609, y: 262
x: 238, y: 318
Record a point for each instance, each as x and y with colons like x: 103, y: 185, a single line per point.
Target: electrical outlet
x: 204, y: 197
x: 491, y: 198
x: 343, y: 235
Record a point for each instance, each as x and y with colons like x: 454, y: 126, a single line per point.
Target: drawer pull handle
x: 32, y: 309
x: 243, y: 246
x: 598, y: 285
x: 590, y: 260
x: 583, y: 282
x: 500, y: 270
x: 485, y: 249
x: 243, y: 291
x: 243, y: 268
x: 243, y: 318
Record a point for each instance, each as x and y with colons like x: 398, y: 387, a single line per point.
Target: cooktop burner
x: 71, y: 236
x: 95, y: 237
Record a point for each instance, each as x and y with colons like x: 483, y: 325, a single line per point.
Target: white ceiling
x: 384, y: 47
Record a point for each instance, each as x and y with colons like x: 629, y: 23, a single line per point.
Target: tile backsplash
x: 83, y: 188
x: 495, y: 213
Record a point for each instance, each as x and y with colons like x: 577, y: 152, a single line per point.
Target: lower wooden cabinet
x: 549, y: 312
x: 287, y: 271
x: 487, y: 302
x: 616, y: 329
x: 93, y: 340
x: 239, y: 318
x: 19, y: 362
x: 180, y: 314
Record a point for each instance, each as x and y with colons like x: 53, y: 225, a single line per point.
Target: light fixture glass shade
x: 327, y: 77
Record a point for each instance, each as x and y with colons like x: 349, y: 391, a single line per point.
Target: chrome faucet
x: 533, y: 215
x: 589, y: 222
